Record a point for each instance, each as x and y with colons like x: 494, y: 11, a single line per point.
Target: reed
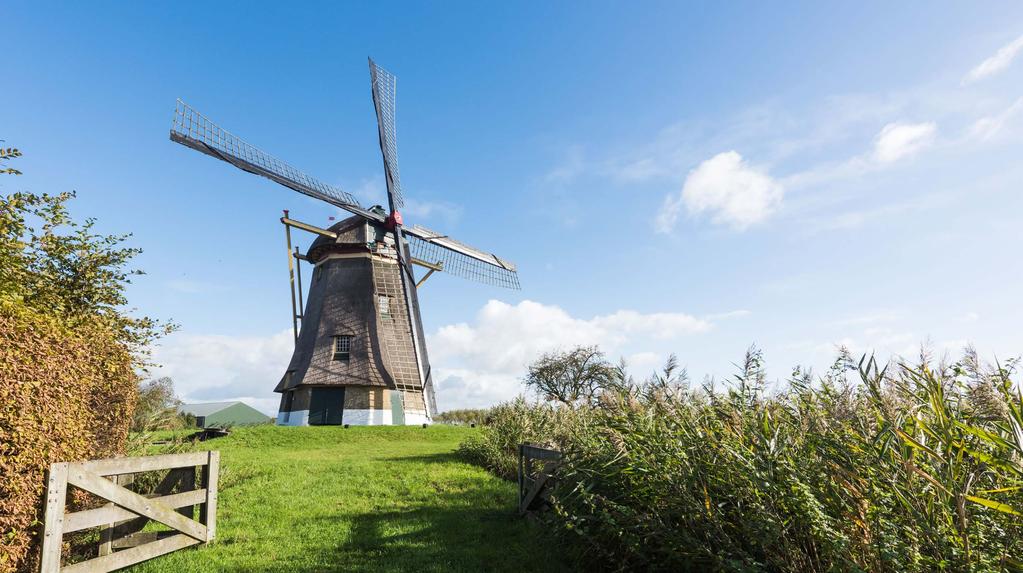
x: 906, y: 467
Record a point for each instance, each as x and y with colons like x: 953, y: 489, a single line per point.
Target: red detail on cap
x: 393, y: 219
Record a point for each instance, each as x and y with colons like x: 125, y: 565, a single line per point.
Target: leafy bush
x: 462, y: 417
x: 65, y: 394
x: 496, y: 445
x: 907, y: 468
x: 69, y: 353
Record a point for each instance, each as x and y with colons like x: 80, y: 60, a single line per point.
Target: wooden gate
x: 534, y: 478
x: 122, y: 542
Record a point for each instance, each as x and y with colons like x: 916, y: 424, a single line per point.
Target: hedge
x: 66, y: 394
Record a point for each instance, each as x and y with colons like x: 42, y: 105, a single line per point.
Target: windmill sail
x: 384, y: 85
x: 460, y: 259
x: 192, y: 129
x: 361, y: 355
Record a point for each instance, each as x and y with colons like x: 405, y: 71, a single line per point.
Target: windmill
x: 360, y: 353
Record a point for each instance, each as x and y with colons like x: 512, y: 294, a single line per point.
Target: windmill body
x: 355, y: 361
x: 360, y: 356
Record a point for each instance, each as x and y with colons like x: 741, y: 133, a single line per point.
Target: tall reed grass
x: 910, y: 467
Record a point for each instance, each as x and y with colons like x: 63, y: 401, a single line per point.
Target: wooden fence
x: 536, y: 467
x: 122, y: 541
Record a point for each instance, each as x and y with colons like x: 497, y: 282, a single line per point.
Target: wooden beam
x: 53, y: 533
x: 298, y: 271
x: 106, y: 535
x: 538, y: 486
x: 291, y: 278
x: 426, y: 276
x: 114, y: 466
x: 141, y: 538
x: 134, y: 502
x: 432, y: 266
x: 308, y: 227
x: 210, y: 481
x: 95, y: 517
x: 131, y: 556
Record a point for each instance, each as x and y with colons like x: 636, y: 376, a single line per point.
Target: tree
x: 6, y: 154
x: 58, y: 266
x: 157, y: 407
x: 580, y: 374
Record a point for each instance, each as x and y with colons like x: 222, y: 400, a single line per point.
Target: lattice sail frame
x: 195, y: 130
x: 384, y: 86
x: 192, y: 129
x: 460, y: 259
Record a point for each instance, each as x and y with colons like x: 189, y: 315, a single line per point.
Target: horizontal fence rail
x: 122, y: 541
x: 536, y: 469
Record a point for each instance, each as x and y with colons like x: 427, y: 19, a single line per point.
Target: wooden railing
x: 536, y: 468
x: 122, y: 541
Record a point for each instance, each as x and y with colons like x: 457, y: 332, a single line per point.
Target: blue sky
x: 669, y: 177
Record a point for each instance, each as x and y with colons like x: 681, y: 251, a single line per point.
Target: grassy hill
x: 362, y: 499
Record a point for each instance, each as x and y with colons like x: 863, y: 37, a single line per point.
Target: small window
x: 385, y: 306
x: 342, y: 347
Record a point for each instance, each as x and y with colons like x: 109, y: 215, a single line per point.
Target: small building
x: 224, y: 414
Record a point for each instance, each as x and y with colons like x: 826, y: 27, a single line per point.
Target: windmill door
x: 326, y: 406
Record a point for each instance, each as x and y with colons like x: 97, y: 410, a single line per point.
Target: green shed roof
x: 205, y: 409
x: 224, y: 414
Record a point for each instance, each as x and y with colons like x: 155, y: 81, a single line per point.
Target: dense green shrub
x: 910, y: 468
x: 465, y: 416
x: 495, y: 446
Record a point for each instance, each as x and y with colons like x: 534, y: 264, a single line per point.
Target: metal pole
x: 291, y: 277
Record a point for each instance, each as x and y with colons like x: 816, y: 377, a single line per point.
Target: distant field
x: 362, y: 499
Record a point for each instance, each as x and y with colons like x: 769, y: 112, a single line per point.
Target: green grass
x: 362, y: 499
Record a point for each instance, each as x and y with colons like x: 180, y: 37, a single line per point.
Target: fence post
x: 53, y: 532
x: 522, y: 476
x: 210, y: 478
x: 107, y: 535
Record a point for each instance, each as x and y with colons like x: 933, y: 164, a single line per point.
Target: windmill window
x: 342, y: 347
x: 385, y: 306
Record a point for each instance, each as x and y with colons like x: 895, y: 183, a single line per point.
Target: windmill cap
x: 353, y: 234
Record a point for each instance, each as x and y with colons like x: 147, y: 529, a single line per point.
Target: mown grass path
x: 362, y: 499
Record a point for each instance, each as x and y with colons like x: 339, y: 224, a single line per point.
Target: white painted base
x: 355, y: 418
x: 416, y: 418
x: 366, y: 417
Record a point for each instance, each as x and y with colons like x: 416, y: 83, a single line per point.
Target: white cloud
x: 480, y: 364
x: 1001, y: 60
x: 735, y: 193
x: 210, y: 368
x: 871, y: 318
x: 639, y: 170
x: 740, y: 313
x: 898, y: 140
x: 988, y: 127
x: 432, y: 210
x: 642, y: 363
x: 370, y: 191
x: 474, y: 365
